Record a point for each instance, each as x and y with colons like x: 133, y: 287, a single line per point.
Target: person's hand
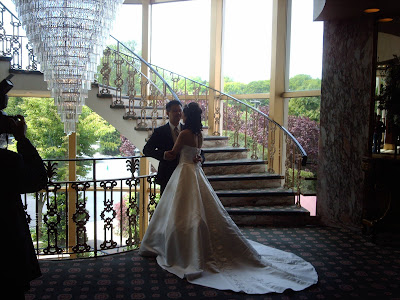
x: 169, y: 155
x: 19, y: 128
x: 197, y: 159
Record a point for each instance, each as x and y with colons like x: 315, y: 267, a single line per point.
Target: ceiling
x: 329, y: 10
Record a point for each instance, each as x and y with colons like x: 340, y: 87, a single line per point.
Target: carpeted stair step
x: 212, y: 141
x: 245, y: 181
x: 271, y: 216
x: 256, y: 197
x: 222, y: 153
x: 235, y: 166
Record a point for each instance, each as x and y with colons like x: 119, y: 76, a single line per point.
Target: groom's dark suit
x: 160, y: 141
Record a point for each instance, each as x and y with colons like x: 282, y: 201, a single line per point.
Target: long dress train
x: 193, y: 237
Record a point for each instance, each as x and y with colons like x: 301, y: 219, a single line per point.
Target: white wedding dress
x: 193, y: 237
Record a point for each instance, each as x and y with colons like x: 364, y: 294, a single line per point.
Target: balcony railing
x: 105, y: 211
x: 13, y: 44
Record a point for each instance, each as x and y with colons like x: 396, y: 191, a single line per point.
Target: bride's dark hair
x: 192, y: 113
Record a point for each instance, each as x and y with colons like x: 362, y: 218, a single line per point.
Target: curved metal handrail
x: 143, y: 75
x: 150, y: 67
x: 5, y: 7
x: 301, y: 149
x: 153, y: 69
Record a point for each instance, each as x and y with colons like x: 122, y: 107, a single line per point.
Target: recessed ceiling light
x: 371, y: 10
x: 384, y: 20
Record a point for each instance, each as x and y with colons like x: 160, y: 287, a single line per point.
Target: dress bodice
x: 188, y: 153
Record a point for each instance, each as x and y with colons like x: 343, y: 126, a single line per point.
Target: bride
x: 193, y: 236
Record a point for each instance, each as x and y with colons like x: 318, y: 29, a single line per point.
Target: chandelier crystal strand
x: 68, y: 37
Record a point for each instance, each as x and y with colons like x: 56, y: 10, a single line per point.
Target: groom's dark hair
x: 172, y: 103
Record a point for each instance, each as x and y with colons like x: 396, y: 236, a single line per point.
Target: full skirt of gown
x: 193, y: 237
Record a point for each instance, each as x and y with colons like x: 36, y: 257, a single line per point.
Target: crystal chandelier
x: 68, y: 37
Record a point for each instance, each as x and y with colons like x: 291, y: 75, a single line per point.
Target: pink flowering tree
x: 305, y: 130
x: 127, y: 148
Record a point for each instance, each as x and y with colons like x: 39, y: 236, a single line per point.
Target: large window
x: 247, y: 45
x: 181, y: 37
x: 128, y: 27
x: 305, y: 47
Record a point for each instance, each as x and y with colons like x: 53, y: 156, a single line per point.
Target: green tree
x: 257, y: 87
x: 303, y: 82
x: 92, y: 129
x: 234, y: 88
x: 46, y: 131
x: 305, y: 106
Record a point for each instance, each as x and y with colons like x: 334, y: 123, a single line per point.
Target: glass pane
x: 305, y: 47
x: 303, y: 123
x: 181, y: 37
x: 128, y: 27
x: 247, y: 45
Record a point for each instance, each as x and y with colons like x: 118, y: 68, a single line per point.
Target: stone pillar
x: 347, y: 94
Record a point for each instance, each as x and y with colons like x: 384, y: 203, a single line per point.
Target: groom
x: 162, y: 140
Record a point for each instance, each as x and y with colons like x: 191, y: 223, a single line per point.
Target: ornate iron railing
x: 95, y: 215
x: 134, y: 85
x: 14, y: 45
x: 246, y: 126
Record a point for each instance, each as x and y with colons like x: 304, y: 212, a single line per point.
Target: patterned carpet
x: 348, y: 265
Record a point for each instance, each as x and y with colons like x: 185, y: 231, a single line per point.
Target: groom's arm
x: 199, y: 158
x: 153, y: 147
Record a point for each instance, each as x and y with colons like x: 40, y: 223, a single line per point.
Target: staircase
x: 250, y: 194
